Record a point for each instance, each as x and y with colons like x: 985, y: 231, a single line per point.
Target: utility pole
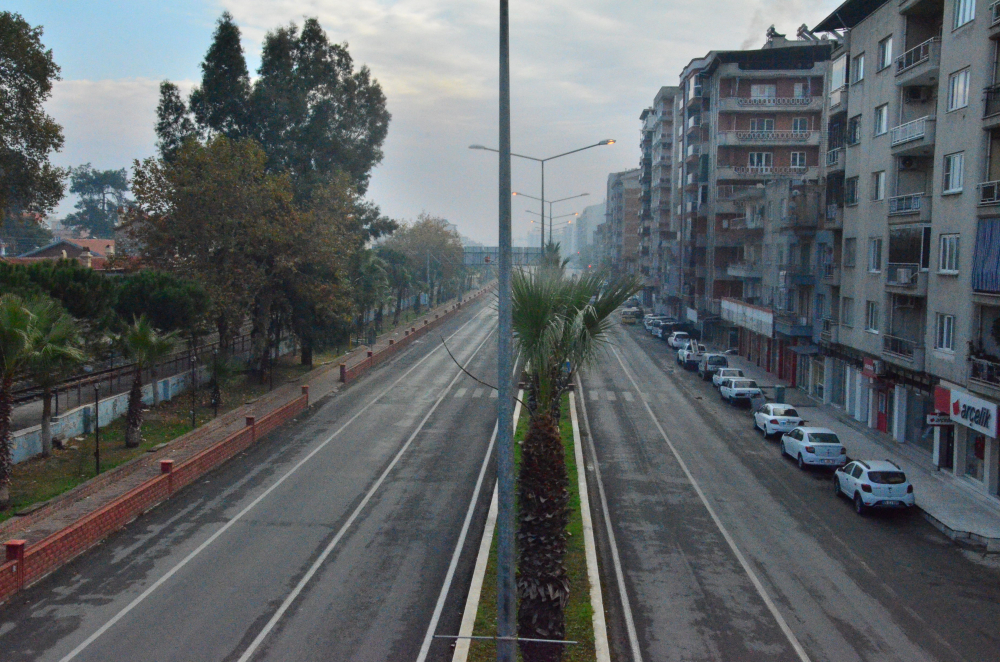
x: 506, y: 596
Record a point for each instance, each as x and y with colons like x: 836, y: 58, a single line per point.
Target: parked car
x: 664, y: 330
x: 736, y: 390
x: 725, y: 373
x: 689, y: 355
x: 678, y: 339
x: 648, y: 320
x: 814, y: 446
x: 774, y: 418
x: 710, y: 364
x: 873, y: 484
x: 631, y: 315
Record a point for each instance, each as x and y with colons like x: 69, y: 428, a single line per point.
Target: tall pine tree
x: 173, y: 121
x: 221, y: 104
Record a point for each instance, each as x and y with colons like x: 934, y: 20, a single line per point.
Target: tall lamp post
x: 608, y: 141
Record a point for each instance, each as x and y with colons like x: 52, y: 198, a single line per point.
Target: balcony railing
x: 772, y: 136
x: 989, y: 193
x: 901, y: 347
x: 774, y: 101
x: 830, y: 329
x: 833, y: 157
x: 769, y: 170
x: 902, y: 274
x: 914, y: 130
x: 994, y: 13
x: 838, y: 96
x: 829, y: 271
x: 991, y: 101
x: 984, y: 371
x: 916, y: 55
x: 905, y: 204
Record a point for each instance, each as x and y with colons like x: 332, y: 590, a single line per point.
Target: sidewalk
x: 956, y: 509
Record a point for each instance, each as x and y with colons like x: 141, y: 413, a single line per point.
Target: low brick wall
x: 25, y: 566
x: 374, y: 359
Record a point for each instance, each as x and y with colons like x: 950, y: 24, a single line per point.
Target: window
x: 871, y: 317
x: 884, y: 53
x: 757, y: 124
x: 881, y: 119
x: 878, y: 185
x: 858, y: 68
x: 875, y: 254
x: 948, y: 255
x: 800, y: 124
x: 958, y: 90
x: 800, y: 90
x: 763, y: 91
x: 851, y: 191
x: 850, y: 251
x: 761, y: 159
x: 945, y: 337
x: 965, y: 11
x: 953, y: 167
x: 798, y: 159
x: 847, y: 311
x: 854, y: 130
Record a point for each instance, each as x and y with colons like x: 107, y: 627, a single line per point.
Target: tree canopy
x: 102, y: 196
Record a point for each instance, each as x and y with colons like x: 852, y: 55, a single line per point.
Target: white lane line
x: 450, y: 575
x: 198, y: 550
x: 460, y: 393
x: 314, y: 568
x: 792, y: 639
x: 633, y: 637
x: 628, y: 396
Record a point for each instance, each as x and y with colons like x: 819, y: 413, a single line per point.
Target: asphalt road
x: 760, y: 561
x: 329, y: 541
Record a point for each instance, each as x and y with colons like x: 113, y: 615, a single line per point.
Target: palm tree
x: 145, y: 347
x: 559, y: 325
x: 17, y: 344
x: 56, y: 354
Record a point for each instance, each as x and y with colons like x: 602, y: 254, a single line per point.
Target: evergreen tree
x: 221, y: 103
x: 173, y: 121
x: 103, y: 194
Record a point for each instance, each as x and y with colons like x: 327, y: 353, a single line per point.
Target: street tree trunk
x: 133, y: 420
x: 6, y: 437
x: 46, y: 422
x: 307, y: 352
x: 399, y: 307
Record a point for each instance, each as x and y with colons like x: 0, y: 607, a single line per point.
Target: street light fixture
x: 607, y: 141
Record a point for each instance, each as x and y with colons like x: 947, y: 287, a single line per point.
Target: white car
x: 818, y: 447
x: 725, y: 373
x: 689, y: 355
x: 739, y: 390
x: 678, y: 339
x: 873, y: 484
x: 773, y: 418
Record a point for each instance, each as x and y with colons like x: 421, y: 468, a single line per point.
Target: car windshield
x: 717, y: 360
x: 824, y: 438
x: 887, y: 477
x: 784, y: 411
x: 745, y: 383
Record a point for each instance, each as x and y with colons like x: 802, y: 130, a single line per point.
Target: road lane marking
x: 782, y: 624
x: 611, y: 396
x: 493, y: 394
x: 628, y: 396
x: 594, y: 396
x: 460, y: 393
x: 215, y: 536
x: 318, y: 563
x: 478, y: 393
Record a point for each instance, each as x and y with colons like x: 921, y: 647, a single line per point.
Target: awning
x: 805, y: 349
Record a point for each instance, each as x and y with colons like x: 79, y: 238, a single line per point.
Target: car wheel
x: 802, y: 465
x: 859, y: 506
x: 836, y: 486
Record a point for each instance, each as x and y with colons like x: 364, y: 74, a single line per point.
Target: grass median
x: 579, y: 614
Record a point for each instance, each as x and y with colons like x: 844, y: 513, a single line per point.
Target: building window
x: 798, y: 159
x: 881, y: 119
x: 958, y: 90
x: 875, y: 254
x: 945, y: 338
x: 858, y: 68
x: 847, y: 311
x: 761, y: 124
x: 965, y: 11
x: 850, y: 252
x: 851, y: 191
x: 884, y: 53
x: 871, y: 317
x: 878, y: 185
x: 854, y: 130
x: 800, y: 90
x: 800, y: 124
x: 953, y: 167
x: 763, y: 91
x: 948, y: 255
x: 760, y: 159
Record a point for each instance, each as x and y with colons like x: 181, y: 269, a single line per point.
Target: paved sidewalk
x: 952, y: 505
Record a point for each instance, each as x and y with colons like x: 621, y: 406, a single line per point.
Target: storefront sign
x: 973, y: 412
x: 869, y: 368
x: 940, y: 420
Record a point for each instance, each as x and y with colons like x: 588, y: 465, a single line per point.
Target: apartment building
x: 909, y: 325
x: 622, y: 214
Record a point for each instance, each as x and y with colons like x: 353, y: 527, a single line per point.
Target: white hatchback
x: 678, y: 339
x: 773, y: 418
x: 873, y: 484
x: 819, y: 447
x: 725, y: 373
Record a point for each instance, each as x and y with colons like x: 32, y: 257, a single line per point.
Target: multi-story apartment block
x: 622, y: 233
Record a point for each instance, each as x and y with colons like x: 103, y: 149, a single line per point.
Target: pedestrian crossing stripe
x: 478, y: 393
x: 460, y: 393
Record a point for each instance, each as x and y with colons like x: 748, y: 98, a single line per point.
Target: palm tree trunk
x: 133, y: 420
x: 46, y: 422
x: 543, y: 513
x: 6, y: 461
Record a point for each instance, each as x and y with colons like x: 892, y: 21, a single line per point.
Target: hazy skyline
x: 581, y: 72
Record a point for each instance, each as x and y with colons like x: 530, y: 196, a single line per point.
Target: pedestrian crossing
x: 594, y: 395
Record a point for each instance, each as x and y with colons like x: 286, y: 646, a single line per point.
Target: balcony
x: 989, y: 193
x: 791, y: 325
x: 750, y: 270
x: 920, y: 65
x: 835, y: 159
x: 798, y: 223
x: 764, y: 173
x: 770, y: 104
x: 838, y: 100
x: 829, y: 273
x: 738, y: 138
x: 991, y: 106
x: 993, y: 14
x: 831, y: 330
x: 834, y: 217
x: 906, y: 278
x: 903, y: 352
x: 914, y: 138
x: 909, y: 205
x: 797, y: 275
x: 984, y: 377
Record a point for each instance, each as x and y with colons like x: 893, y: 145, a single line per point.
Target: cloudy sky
x: 581, y: 70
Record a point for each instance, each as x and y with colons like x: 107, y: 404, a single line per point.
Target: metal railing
x: 994, y: 13
x: 916, y: 55
x: 902, y: 274
x: 829, y: 271
x: 991, y: 101
x: 905, y: 204
x: 771, y: 136
x: 985, y: 371
x: 773, y: 101
x: 833, y: 157
x: 989, y: 193
x: 769, y: 170
x: 899, y: 346
x: 733, y: 191
x: 914, y: 130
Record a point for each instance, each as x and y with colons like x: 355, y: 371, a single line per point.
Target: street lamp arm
x: 490, y: 149
x: 574, y: 151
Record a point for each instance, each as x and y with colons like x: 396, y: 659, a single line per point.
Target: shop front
x: 973, y: 442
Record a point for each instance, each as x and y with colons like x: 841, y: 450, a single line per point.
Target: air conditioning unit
x: 907, y: 163
x: 917, y: 94
x: 878, y: 367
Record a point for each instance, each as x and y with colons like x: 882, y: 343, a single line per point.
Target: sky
x: 581, y: 71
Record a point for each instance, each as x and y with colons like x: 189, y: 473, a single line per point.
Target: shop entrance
x: 946, y: 452
x: 882, y: 411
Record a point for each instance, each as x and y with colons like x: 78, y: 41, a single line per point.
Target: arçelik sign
x: 973, y: 412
